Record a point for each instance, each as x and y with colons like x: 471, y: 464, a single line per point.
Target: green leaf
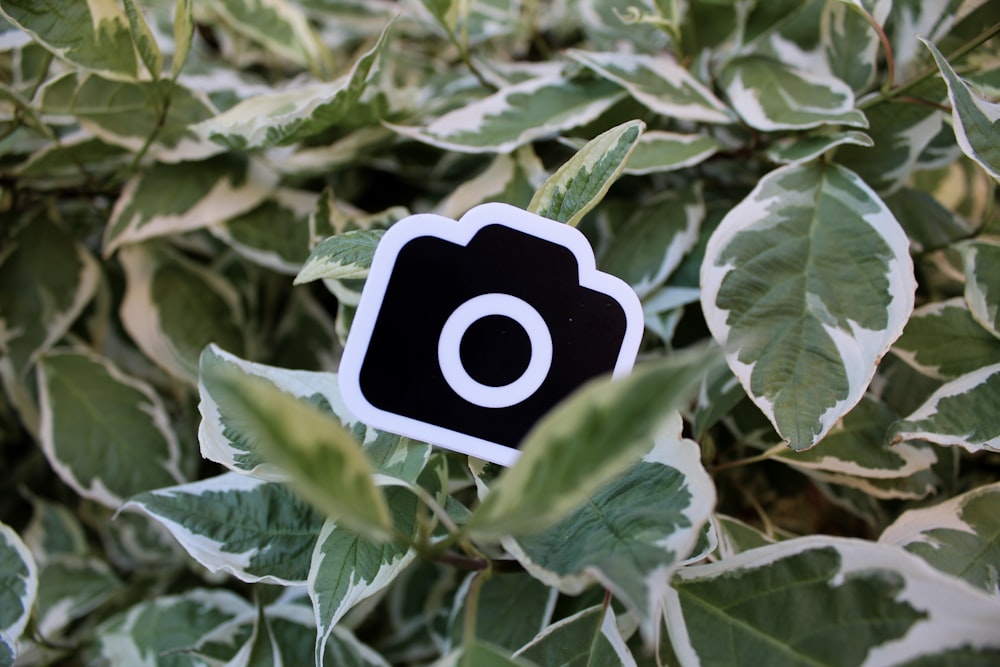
x: 146, y: 44
x: 325, y: 463
x: 581, y: 183
x: 960, y: 536
x: 173, y: 308
x: 288, y: 116
x: 961, y: 412
x: 589, y: 637
x: 659, y: 151
x: 806, y: 284
x: 445, y: 11
x: 344, y: 256
x: 481, y: 654
x: 976, y: 122
x: 982, y: 282
x: 735, y: 536
x: 107, y: 435
x: 512, y: 608
x: 37, y: 307
x: 171, y: 199
x: 252, y: 529
x: 942, y: 340
x: 927, y: 222
x: 275, y: 234
x: 92, y: 34
x: 825, y: 600
x: 70, y: 588
x: 660, y: 83
x: 651, y: 244
x: 770, y: 95
x: 54, y: 531
x: 850, y: 41
x: 183, y: 35
x: 518, y: 114
x: 18, y: 588
x: 629, y: 533
x: 797, y: 149
x: 608, y: 424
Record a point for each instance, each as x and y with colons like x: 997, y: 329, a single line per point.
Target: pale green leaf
x: 518, y: 114
x: 629, y: 533
x: 173, y: 308
x: 960, y: 536
x: 288, y: 116
x: 171, y: 199
x: 976, y: 122
x: 70, y: 588
x: 651, y: 244
x: 323, y: 460
x: 37, y: 307
x: 659, y: 151
x: 736, y: 536
x: 183, y: 35
x: 658, y: 82
x: 771, y: 95
x: 18, y: 586
x: 982, y: 282
x: 797, y: 149
x: 590, y: 637
x: 107, y: 435
x: 149, y: 50
x: 252, y: 529
x: 943, y: 341
x: 275, y: 234
x: 93, y: 34
x: 445, y: 11
x: 607, y: 423
x: 580, y: 184
x: 344, y: 256
x: 961, y: 412
x: 806, y: 284
x: 826, y: 600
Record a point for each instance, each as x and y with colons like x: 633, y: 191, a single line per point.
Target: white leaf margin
x: 14, y: 629
x: 609, y: 628
x: 957, y: 614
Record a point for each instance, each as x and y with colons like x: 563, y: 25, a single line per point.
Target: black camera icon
x: 468, y: 332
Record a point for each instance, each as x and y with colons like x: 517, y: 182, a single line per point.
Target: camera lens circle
x: 450, y: 360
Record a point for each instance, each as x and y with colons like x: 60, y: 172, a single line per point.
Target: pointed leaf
x: 606, y: 424
x: 18, y: 587
x: 942, y: 340
x: 658, y: 151
x: 275, y: 234
x: 325, y: 463
x: 107, y: 435
x: 961, y: 412
x: 183, y: 35
x: 850, y: 41
x: 797, y: 149
x: 659, y: 83
x: 146, y: 44
x: 806, y: 284
x: 982, y: 282
x: 512, y: 609
x: 581, y: 183
x: 518, y: 114
x: 815, y: 599
x: 590, y: 637
x: 344, y: 256
x: 770, y: 95
x: 976, y: 122
x: 69, y: 588
x: 255, y: 530
x: 960, y: 536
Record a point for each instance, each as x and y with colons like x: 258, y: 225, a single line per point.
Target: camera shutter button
x: 454, y: 371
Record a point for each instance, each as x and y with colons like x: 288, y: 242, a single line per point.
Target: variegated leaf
x: 580, y: 184
x: 107, y: 435
x: 346, y: 256
x: 806, y: 284
x: 630, y: 533
x: 37, y: 307
x: 659, y: 151
x: 771, y: 95
x: 145, y: 42
x: 961, y: 412
x: 960, y: 536
x: 974, y: 120
x: 176, y: 198
x: 518, y: 114
x: 928, y: 223
x: 736, y: 536
x: 512, y: 610
x: 850, y: 41
x: 589, y: 637
x: 943, y: 341
x: 982, y: 282
x: 183, y: 35
x: 54, y: 531
x: 658, y: 82
x: 796, y: 149
x: 252, y: 529
x: 512, y: 179
x: 93, y: 34
x: 173, y: 308
x: 70, y: 588
x: 274, y: 234
x: 805, y: 600
x: 651, y: 244
x: 287, y: 116
x: 18, y: 589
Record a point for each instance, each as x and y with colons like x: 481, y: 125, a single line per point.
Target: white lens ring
x: 473, y: 310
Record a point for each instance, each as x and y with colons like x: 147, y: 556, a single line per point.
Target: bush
x: 192, y: 193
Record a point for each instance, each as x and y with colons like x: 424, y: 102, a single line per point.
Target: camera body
x: 468, y: 332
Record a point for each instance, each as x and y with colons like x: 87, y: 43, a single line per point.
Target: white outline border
x: 461, y: 233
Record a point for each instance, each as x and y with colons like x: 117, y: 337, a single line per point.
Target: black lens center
x: 495, y: 350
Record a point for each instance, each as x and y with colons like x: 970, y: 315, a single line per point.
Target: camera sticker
x: 468, y: 332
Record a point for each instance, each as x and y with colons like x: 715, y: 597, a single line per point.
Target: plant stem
x: 763, y: 456
x: 472, y: 605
